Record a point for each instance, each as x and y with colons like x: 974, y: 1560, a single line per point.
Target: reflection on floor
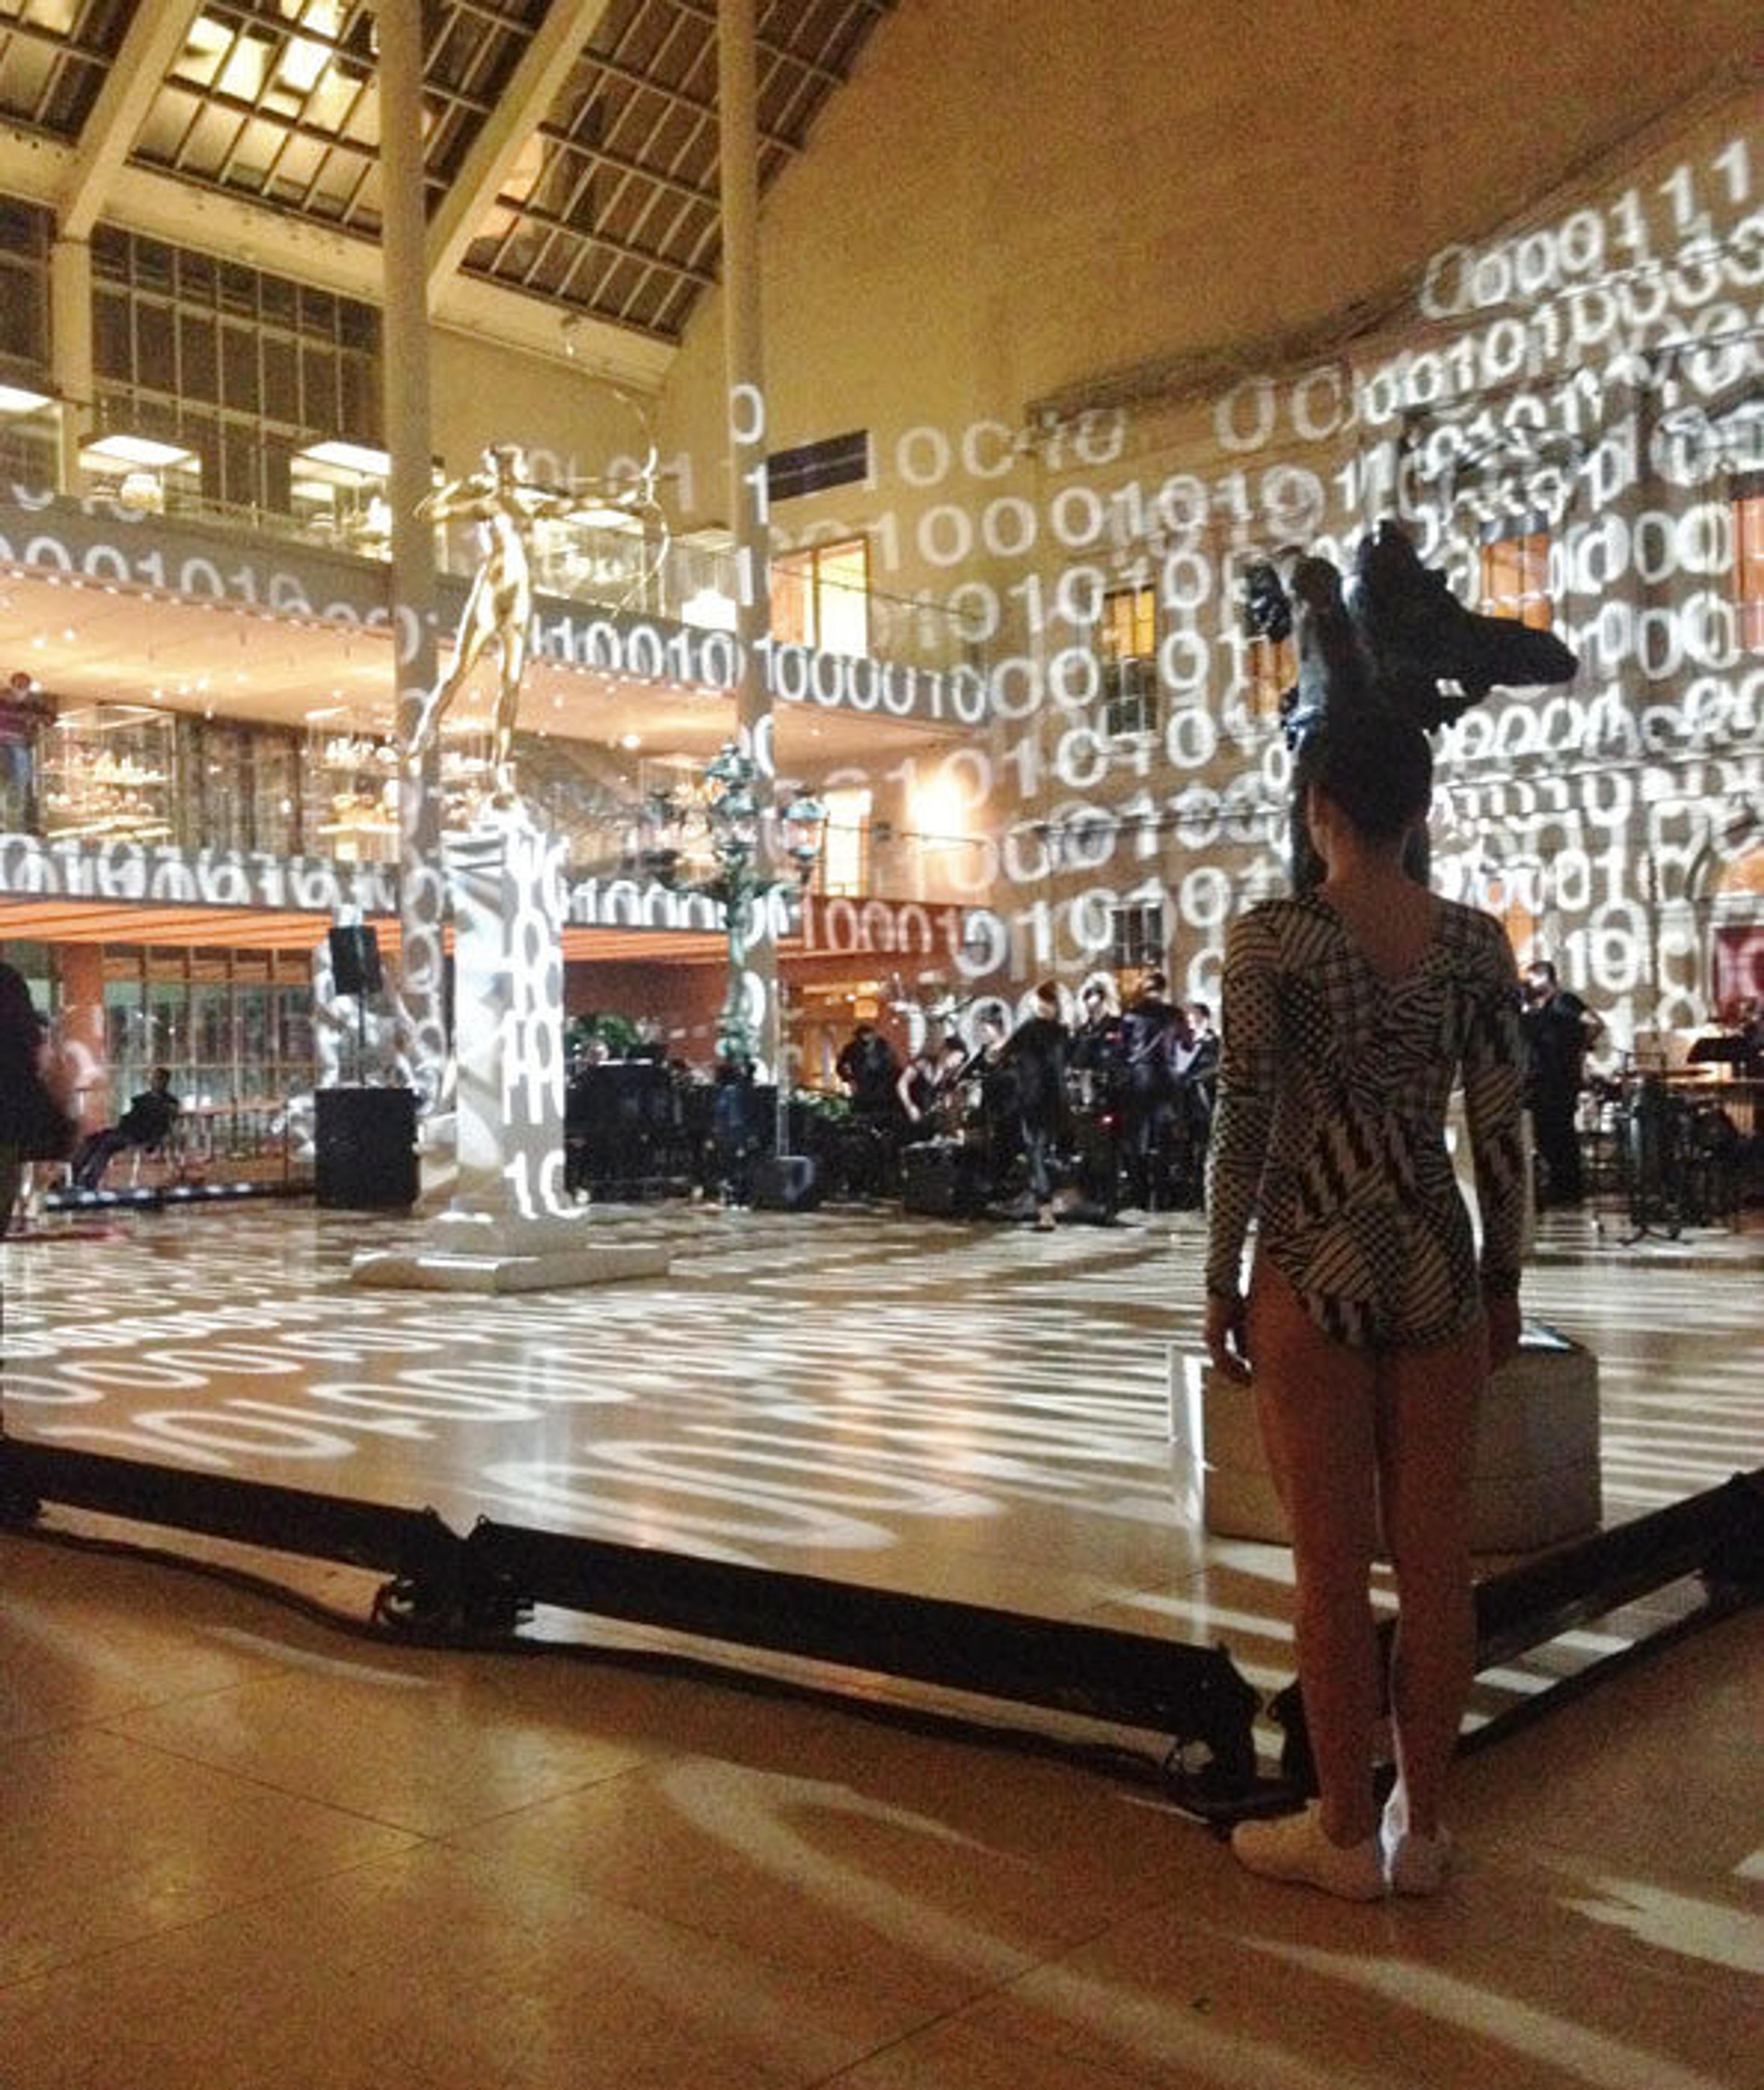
x: 978, y: 1412
x: 241, y: 1850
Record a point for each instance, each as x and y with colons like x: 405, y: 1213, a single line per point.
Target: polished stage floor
x: 245, y: 1850
x: 974, y: 1411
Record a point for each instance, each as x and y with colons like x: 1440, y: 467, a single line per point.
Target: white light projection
x: 511, y: 1226
x: 1590, y: 385
x: 159, y: 874
x: 506, y: 879
x: 1587, y: 382
x: 422, y: 1024
x: 221, y: 1367
x: 783, y: 1399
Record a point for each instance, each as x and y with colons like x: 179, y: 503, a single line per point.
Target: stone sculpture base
x: 1534, y: 1480
x: 511, y: 1226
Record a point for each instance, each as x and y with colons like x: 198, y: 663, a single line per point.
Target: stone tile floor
x: 241, y: 1847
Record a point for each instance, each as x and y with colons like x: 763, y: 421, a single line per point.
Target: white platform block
x: 434, y: 1270
x: 511, y: 1226
x: 1535, y: 1479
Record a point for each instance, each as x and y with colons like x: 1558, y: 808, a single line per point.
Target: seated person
x: 147, y: 1122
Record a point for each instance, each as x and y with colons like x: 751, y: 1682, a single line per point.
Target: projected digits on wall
x: 1563, y: 423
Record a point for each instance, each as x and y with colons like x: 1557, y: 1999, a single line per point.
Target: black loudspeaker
x: 354, y: 959
x: 364, y: 1149
x: 944, y: 1177
x: 785, y: 1183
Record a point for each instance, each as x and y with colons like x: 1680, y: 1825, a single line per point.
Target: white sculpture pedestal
x: 511, y: 1226
x: 1534, y: 1477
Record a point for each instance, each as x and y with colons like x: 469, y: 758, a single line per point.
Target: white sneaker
x: 1293, y: 1847
x: 1413, y: 1864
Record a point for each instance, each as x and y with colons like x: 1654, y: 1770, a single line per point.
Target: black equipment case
x: 946, y: 1178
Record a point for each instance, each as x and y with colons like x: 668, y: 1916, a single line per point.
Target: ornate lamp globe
x: 803, y: 822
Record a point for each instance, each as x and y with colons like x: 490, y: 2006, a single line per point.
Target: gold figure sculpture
x: 499, y: 606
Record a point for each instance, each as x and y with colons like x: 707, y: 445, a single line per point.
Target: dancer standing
x: 1350, y: 1012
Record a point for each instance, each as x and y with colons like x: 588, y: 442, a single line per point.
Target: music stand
x: 1723, y: 1052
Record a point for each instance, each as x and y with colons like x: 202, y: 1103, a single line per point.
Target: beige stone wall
x: 1012, y: 196
x: 482, y: 393
x: 974, y: 233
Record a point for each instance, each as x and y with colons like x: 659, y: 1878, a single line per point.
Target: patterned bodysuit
x: 1331, y: 1125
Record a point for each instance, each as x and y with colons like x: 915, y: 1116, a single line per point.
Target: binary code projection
x: 1565, y: 424
x: 1077, y: 760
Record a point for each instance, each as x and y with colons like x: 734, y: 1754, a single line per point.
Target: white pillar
x: 744, y: 375
x: 405, y: 354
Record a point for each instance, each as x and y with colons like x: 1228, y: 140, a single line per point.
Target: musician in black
x: 991, y: 1071
x: 1150, y: 1029
x: 944, y: 1121
x: 1098, y: 1076
x: 1099, y: 1047
x: 916, y: 1092
x: 1036, y: 1052
x: 1557, y: 1027
x: 869, y: 1069
x: 1194, y: 1082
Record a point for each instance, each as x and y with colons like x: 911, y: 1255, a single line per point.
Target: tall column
x: 405, y: 355
x: 71, y: 350
x: 756, y: 978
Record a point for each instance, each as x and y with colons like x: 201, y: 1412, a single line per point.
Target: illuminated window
x: 1270, y: 668
x: 1514, y: 578
x: 821, y: 597
x: 844, y: 859
x: 242, y: 368
x: 1136, y: 936
x: 1128, y: 646
x: 1748, y: 560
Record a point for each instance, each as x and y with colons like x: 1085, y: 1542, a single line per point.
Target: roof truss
x: 570, y: 145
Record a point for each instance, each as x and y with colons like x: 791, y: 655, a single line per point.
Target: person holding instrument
x: 1557, y: 1028
x: 1150, y: 1029
x: 1036, y: 1053
x: 1350, y: 1011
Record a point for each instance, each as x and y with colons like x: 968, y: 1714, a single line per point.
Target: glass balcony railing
x: 635, y: 571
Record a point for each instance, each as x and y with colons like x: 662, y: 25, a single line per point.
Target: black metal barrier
x: 473, y: 1591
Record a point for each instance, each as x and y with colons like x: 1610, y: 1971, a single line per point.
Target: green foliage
x: 619, y: 1033
x: 820, y: 1104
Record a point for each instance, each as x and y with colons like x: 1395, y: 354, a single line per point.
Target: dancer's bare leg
x: 1314, y: 1400
x: 1427, y: 1403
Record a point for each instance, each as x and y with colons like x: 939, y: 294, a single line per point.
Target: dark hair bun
x: 1375, y: 765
